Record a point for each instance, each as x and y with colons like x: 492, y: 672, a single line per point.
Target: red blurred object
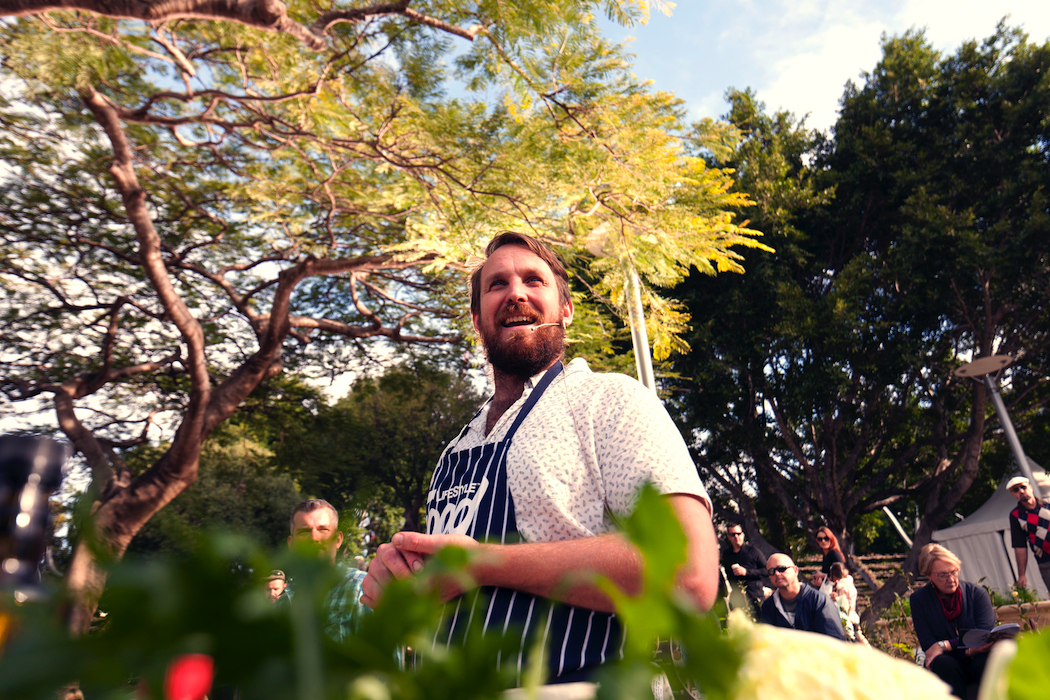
x: 189, y: 677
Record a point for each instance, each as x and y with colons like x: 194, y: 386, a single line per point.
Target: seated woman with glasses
x: 942, y: 611
x: 829, y: 547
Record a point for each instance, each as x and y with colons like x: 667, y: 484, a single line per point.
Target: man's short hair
x: 542, y: 251
x: 309, y: 507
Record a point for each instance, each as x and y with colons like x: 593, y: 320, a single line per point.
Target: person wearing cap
x: 1028, y: 528
x: 276, y: 583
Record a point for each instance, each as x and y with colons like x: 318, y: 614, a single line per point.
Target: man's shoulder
x: 578, y: 374
x: 1019, y: 508
x: 808, y: 592
x: 750, y: 554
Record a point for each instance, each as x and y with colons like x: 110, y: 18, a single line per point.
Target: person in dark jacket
x: 941, y: 612
x: 745, y: 566
x: 797, y: 605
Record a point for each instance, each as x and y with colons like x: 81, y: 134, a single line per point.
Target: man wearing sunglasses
x: 745, y: 567
x: 1028, y: 528
x: 797, y: 605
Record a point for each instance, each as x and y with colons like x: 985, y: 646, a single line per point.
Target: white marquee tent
x: 982, y: 541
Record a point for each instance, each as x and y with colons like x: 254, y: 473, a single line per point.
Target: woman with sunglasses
x: 941, y: 611
x: 829, y: 547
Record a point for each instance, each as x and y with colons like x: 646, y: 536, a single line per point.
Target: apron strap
x: 541, y: 386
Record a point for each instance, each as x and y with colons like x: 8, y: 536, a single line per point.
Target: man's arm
x: 1021, y: 557
x: 558, y: 570
x: 698, y: 577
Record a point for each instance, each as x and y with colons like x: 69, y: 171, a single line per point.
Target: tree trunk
x: 938, y: 505
x: 85, y: 581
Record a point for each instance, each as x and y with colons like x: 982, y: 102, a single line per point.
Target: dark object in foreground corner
x: 30, y: 471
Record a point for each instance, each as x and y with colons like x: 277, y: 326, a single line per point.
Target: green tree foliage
x: 213, y: 603
x: 912, y: 239
x: 375, y: 449
x: 737, y: 320
x: 237, y: 491
x: 190, y: 204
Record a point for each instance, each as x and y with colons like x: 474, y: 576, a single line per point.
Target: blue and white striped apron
x: 469, y: 496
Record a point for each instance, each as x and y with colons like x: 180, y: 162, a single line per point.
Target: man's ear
x: 567, y: 312
x: 339, y: 539
x: 474, y: 322
x: 289, y: 541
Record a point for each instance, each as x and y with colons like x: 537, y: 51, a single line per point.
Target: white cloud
x: 808, y: 52
x: 811, y: 79
x: 948, y: 23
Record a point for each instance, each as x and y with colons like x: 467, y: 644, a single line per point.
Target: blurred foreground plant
x: 213, y: 604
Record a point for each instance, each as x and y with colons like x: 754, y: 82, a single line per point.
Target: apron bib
x: 469, y: 495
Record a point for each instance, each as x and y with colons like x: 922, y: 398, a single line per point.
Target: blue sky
x: 798, y: 54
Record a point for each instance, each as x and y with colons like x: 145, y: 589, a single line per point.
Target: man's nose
x: 516, y: 290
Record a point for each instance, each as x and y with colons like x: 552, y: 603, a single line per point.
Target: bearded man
x: 531, y: 481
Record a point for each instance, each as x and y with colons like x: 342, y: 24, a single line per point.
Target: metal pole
x: 636, y: 315
x: 1011, y: 435
x: 896, y: 524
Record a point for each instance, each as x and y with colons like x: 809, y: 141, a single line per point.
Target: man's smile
x: 518, y: 320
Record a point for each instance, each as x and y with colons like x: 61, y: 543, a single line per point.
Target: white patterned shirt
x: 588, y: 445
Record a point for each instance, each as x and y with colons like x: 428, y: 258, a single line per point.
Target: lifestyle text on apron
x: 469, y: 495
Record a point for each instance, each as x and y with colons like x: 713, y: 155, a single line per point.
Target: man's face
x: 787, y: 579
x: 518, y: 292
x: 1023, y: 493
x: 318, y: 528
x: 736, y: 538
x: 276, y: 588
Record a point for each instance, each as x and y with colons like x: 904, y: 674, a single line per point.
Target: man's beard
x: 524, y: 356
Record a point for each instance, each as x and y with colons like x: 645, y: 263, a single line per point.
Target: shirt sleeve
x: 920, y: 611
x: 827, y: 616
x: 636, y: 441
x: 1018, y: 539
x: 983, y: 612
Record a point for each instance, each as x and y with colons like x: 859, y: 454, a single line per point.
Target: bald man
x: 798, y: 605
